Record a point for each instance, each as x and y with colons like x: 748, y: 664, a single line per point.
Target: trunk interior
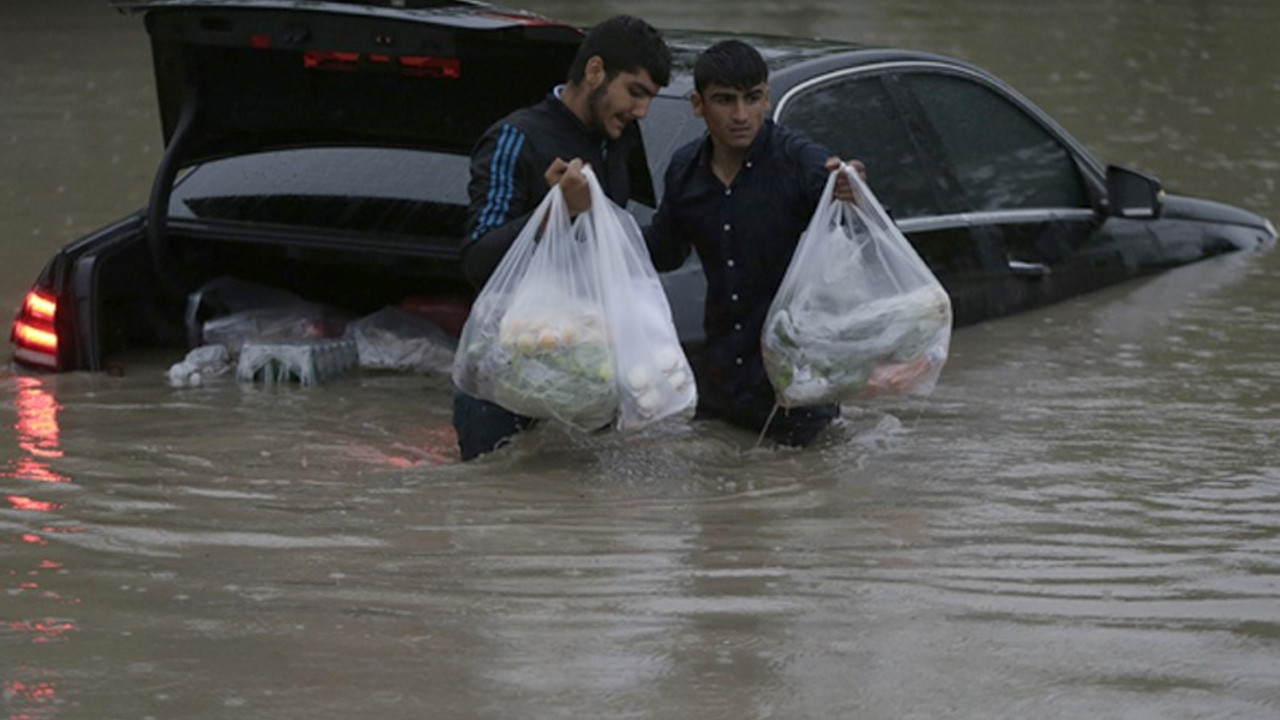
x: 137, y: 310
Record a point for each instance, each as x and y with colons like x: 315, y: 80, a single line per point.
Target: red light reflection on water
x: 44, y: 630
x: 37, y: 428
x: 29, y: 699
x: 19, y: 502
x: 32, y: 693
x: 438, y: 447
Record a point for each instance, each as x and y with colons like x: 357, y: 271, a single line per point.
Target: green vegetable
x: 821, y: 348
x: 550, y: 367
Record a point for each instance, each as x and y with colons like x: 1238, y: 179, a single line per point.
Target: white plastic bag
x: 858, y: 312
x: 574, y: 324
x: 536, y: 341
x: 654, y: 377
x: 396, y: 339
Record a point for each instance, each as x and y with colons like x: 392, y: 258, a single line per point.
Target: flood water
x: 1083, y: 521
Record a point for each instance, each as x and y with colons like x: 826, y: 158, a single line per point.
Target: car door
x: 993, y: 198
x: 1020, y: 178
x: 860, y: 115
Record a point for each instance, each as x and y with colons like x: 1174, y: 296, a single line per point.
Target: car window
x: 669, y: 124
x: 856, y: 118
x: 1002, y: 157
x: 377, y: 191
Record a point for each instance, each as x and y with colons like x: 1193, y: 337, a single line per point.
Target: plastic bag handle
x: 864, y: 199
x: 552, y: 210
x: 828, y: 209
x: 599, y: 201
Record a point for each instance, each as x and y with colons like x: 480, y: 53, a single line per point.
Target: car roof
x: 791, y: 60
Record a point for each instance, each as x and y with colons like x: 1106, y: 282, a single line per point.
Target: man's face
x: 616, y: 103
x: 734, y: 117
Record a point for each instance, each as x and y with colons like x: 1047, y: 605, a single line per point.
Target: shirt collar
x: 556, y: 101
x: 759, y: 146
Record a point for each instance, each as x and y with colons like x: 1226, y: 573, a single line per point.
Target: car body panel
x: 304, y: 152
x: 279, y: 74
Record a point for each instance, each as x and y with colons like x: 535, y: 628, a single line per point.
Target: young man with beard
x: 741, y: 197
x: 590, y: 120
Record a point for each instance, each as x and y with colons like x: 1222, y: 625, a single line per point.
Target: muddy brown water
x: 1083, y: 521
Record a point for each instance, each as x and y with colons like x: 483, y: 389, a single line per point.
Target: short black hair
x: 626, y: 44
x: 730, y: 63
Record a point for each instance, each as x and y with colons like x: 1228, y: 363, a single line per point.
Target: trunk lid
x: 238, y: 76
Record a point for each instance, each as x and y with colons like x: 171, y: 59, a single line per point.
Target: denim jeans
x: 483, y: 426
x: 795, y: 427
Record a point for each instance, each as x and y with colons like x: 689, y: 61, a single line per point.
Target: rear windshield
x: 374, y: 191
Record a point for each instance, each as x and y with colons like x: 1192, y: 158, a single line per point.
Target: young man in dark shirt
x: 590, y: 120
x: 741, y: 197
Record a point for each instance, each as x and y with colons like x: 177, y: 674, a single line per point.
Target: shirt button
x: 728, y: 191
x: 737, y: 361
x: 749, y: 163
x: 729, y: 262
x: 726, y: 227
x: 737, y: 326
x: 734, y: 297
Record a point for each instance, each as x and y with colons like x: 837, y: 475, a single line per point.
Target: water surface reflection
x: 37, y: 432
x: 1081, y: 522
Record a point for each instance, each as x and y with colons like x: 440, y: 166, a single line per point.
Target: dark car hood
x: 238, y: 76
x: 1182, y: 207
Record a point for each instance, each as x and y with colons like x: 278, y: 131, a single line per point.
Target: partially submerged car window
x: 856, y: 118
x: 377, y: 191
x: 1002, y: 158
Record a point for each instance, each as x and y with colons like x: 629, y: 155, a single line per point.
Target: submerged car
x: 321, y: 149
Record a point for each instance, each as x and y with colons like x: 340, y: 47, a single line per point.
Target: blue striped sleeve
x: 502, y: 180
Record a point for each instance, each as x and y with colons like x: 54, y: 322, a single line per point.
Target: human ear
x: 595, y: 72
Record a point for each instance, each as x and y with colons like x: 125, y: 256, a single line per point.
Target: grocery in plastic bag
x: 655, y: 380
x: 229, y: 311
x: 396, y: 339
x: 574, y: 324
x: 858, y: 313
x: 535, y: 341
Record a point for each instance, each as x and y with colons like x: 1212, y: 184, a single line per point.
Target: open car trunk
x: 236, y: 77
x: 252, y: 97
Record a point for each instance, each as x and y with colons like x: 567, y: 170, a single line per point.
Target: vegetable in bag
x: 536, y: 341
x: 858, y: 312
x: 655, y: 380
x: 560, y: 363
x: 574, y: 324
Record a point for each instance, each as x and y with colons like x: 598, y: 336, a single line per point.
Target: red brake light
x: 38, y: 306
x: 34, y: 333
x: 426, y: 66
x: 410, y: 65
x: 35, y: 346
x: 34, y: 337
x: 330, y: 60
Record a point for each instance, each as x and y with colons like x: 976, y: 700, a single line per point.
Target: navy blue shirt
x: 745, y: 234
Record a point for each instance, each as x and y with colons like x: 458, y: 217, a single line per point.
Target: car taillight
x: 34, y: 335
x: 436, y: 67
x: 412, y: 65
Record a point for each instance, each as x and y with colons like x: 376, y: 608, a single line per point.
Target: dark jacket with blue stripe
x: 507, y: 175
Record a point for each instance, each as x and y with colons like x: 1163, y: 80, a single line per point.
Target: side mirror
x: 1131, y: 194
